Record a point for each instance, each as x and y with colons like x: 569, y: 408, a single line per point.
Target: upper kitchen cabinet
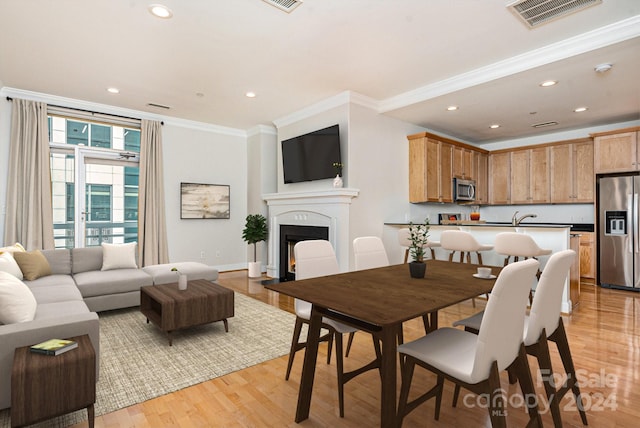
x: 616, y: 151
x: 572, y: 176
x: 499, y: 182
x: 463, y: 163
x: 481, y: 162
x: 530, y: 176
x: 430, y: 169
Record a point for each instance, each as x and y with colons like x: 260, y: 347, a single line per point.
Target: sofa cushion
x: 17, y: 303
x: 162, y: 274
x: 12, y: 248
x: 59, y: 260
x: 86, y: 259
x: 50, y: 280
x: 33, y: 264
x: 56, y: 293
x: 8, y: 264
x: 119, y: 256
x: 55, y: 309
x: 98, y: 283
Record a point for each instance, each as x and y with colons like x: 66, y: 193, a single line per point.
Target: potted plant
x: 255, y: 230
x: 418, y: 235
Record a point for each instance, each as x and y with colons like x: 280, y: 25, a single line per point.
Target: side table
x: 45, y: 386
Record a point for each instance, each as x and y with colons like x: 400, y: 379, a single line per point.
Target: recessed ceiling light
x: 548, y: 83
x: 580, y: 109
x: 160, y: 11
x: 113, y: 90
x: 452, y: 108
x: 494, y: 126
x: 250, y: 94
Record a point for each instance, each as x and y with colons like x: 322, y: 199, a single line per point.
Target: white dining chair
x: 369, y: 253
x: 544, y: 324
x: 404, y: 239
x: 475, y: 361
x: 315, y: 258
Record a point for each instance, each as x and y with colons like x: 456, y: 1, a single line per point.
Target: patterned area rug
x: 137, y: 363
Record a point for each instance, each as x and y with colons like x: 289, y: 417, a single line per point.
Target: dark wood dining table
x: 378, y: 301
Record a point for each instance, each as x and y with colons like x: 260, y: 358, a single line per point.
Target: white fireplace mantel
x: 328, y: 208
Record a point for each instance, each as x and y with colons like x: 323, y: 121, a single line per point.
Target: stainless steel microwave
x: 464, y: 190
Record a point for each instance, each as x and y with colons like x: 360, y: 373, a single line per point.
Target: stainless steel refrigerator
x: 618, y: 231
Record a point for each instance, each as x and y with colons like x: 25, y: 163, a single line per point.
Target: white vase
x: 337, y: 182
x: 182, y: 282
x: 255, y: 269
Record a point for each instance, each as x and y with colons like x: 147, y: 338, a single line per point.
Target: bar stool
x: 404, y: 239
x: 464, y: 242
x: 518, y: 245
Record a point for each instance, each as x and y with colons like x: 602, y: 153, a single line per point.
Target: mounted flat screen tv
x: 311, y: 156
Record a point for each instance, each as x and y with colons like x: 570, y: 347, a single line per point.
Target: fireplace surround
x: 321, y: 208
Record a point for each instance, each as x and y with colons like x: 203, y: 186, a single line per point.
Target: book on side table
x: 54, y: 346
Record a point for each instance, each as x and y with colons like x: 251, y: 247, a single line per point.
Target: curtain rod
x: 89, y: 111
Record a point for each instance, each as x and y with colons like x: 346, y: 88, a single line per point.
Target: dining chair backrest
x: 516, y: 244
x: 314, y: 258
x: 500, y: 334
x: 458, y: 240
x: 369, y: 253
x: 547, y: 301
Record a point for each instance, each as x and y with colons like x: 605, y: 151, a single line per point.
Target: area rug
x: 137, y: 363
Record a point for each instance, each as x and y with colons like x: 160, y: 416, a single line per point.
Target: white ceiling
x: 411, y: 58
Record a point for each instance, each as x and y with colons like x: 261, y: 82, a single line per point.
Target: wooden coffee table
x: 45, y: 386
x: 171, y: 309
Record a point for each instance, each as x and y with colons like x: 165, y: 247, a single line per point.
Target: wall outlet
x: 217, y: 253
x: 202, y: 254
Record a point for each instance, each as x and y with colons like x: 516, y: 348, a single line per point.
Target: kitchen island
x: 556, y: 237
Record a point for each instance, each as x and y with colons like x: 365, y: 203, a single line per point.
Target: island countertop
x: 576, y: 227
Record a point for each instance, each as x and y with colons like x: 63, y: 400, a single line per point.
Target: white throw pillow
x: 8, y: 264
x: 17, y: 303
x: 119, y: 256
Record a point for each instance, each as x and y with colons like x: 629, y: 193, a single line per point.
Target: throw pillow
x: 12, y: 248
x: 119, y: 256
x: 8, y: 264
x: 17, y: 303
x: 33, y: 264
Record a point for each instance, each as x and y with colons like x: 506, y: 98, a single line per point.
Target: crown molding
x: 262, y: 130
x: 601, y: 37
x: 119, y: 111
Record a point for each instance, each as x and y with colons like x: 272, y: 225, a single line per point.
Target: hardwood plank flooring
x: 602, y: 330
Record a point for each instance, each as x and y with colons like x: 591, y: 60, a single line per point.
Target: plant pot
x: 417, y: 269
x: 255, y: 269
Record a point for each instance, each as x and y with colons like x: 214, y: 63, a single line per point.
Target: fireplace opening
x: 289, y: 236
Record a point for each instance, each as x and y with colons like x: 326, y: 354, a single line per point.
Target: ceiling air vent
x: 285, y: 5
x: 544, y: 124
x: 158, y: 106
x: 537, y: 12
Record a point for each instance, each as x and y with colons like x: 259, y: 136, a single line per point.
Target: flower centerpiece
x: 419, y: 237
x: 182, y: 279
x: 337, y: 182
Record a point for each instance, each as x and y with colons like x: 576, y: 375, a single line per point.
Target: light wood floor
x: 603, y: 334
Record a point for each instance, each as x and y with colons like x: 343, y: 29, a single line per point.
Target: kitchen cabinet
x: 616, y: 151
x: 572, y: 176
x: 588, y: 256
x: 463, y: 163
x: 530, y: 176
x: 574, y: 272
x: 481, y: 162
x: 499, y: 182
x: 430, y: 169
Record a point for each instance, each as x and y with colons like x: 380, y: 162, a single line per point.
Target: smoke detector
x: 537, y: 12
x: 603, y: 68
x: 284, y: 5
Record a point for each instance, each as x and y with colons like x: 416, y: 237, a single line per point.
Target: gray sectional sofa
x: 68, y: 301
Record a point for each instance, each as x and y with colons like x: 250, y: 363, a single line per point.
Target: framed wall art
x: 198, y: 201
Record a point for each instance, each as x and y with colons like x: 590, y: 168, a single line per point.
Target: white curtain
x: 29, y: 217
x: 152, y: 229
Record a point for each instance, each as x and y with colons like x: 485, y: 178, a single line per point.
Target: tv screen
x: 311, y: 156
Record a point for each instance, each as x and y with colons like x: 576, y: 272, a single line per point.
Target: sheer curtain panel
x: 29, y: 218
x: 152, y: 231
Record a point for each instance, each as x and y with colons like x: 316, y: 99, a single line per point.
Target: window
x: 87, y: 156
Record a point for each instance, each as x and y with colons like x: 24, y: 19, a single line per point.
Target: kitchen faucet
x: 515, y: 221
